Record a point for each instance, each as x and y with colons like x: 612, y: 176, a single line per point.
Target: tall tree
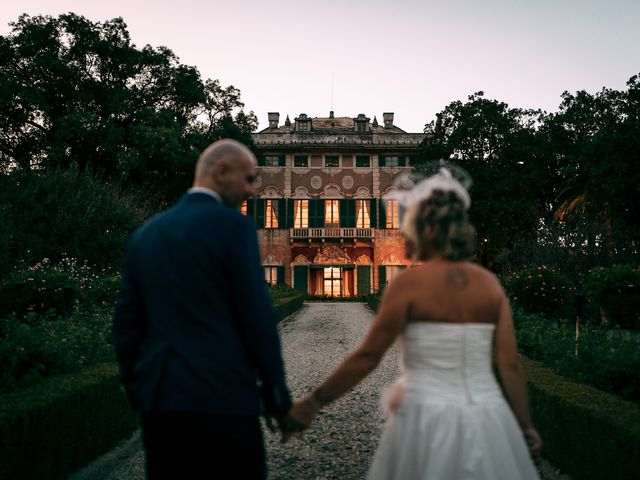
x: 74, y: 91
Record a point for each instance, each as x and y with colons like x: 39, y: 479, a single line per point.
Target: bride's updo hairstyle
x: 440, y: 222
x: 435, y: 209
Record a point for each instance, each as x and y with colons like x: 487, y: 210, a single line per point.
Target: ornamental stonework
x: 347, y: 182
x: 316, y: 182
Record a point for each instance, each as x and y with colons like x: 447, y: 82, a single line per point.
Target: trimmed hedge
x: 587, y: 433
x: 62, y: 423
x: 373, y: 300
x: 287, y: 305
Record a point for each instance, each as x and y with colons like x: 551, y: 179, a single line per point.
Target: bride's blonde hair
x: 441, y: 222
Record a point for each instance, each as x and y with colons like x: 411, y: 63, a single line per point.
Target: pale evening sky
x: 411, y: 57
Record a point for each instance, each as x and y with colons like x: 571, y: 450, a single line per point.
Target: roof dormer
x: 361, y: 123
x: 303, y: 123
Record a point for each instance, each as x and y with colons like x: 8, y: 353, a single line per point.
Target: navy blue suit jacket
x: 194, y: 327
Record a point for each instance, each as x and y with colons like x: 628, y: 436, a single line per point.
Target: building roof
x: 333, y: 124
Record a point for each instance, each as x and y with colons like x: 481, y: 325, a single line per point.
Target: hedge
x: 586, y: 432
x: 288, y: 305
x: 57, y: 426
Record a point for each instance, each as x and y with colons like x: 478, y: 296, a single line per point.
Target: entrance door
x: 300, y: 278
x: 332, y: 281
x: 364, y: 279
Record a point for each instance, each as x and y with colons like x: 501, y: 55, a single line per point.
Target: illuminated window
x: 331, y: 161
x: 301, y: 214
x: 271, y: 275
x: 332, y: 213
x: 332, y: 282
x: 392, y: 271
x: 392, y: 161
x: 392, y: 214
x: 363, y: 220
x: 243, y: 208
x: 271, y: 214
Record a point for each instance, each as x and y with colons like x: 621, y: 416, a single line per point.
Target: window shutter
x: 261, y: 161
x: 402, y: 161
x: 280, y: 271
x: 282, y: 160
x: 316, y: 213
x: 382, y: 214
x: 290, y: 211
x: 251, y: 208
x: 373, y: 208
x: 347, y: 213
x: 382, y: 276
x: 300, y: 278
x: 282, y: 213
x: 382, y: 161
x: 260, y: 203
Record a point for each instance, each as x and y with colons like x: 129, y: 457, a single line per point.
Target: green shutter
x: 347, y: 213
x: 382, y: 277
x: 382, y: 161
x: 251, y: 208
x: 316, y: 213
x: 373, y: 211
x: 280, y: 272
x: 300, y: 278
x: 382, y: 214
x: 260, y: 204
x: 364, y: 279
x: 282, y: 161
x: 290, y: 211
x: 261, y: 160
x: 402, y: 161
x: 282, y: 213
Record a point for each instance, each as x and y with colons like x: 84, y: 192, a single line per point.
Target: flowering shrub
x: 616, y: 291
x: 541, y: 290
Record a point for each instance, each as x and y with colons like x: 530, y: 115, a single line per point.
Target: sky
x: 410, y: 57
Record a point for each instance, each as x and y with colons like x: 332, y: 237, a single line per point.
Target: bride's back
x: 451, y: 292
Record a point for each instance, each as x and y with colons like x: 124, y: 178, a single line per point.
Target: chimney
x: 331, y: 114
x: 388, y: 119
x: 274, y: 119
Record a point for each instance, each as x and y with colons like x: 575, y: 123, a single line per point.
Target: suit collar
x: 206, y: 191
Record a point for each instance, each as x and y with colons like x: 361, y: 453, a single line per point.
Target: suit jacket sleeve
x: 129, y: 322
x: 256, y: 317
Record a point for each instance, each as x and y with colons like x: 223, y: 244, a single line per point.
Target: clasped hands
x: 297, y: 419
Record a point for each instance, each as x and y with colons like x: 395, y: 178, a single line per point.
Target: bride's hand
x: 305, y: 411
x: 534, y: 441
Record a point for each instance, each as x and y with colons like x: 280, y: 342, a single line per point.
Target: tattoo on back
x: 457, y: 278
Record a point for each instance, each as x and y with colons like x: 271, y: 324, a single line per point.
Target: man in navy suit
x: 196, y: 335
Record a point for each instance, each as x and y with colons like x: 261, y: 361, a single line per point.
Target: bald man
x: 195, y: 332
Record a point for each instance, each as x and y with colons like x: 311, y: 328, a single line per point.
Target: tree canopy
x: 77, y: 92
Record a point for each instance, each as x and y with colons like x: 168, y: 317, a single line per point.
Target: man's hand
x: 534, y: 442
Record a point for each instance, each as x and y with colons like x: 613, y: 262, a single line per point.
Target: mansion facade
x: 323, y: 226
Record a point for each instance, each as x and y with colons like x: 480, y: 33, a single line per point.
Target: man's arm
x: 128, y: 322
x: 251, y: 302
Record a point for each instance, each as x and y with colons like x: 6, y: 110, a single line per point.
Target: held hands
x: 532, y: 437
x: 299, y: 418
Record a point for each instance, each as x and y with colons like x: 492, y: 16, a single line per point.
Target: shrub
x: 541, y: 290
x: 616, y: 291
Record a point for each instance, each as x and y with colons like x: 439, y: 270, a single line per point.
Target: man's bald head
x: 228, y: 168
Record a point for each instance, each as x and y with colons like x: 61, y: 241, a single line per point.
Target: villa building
x: 323, y: 226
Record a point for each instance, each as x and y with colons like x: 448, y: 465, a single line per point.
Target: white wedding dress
x: 453, y: 422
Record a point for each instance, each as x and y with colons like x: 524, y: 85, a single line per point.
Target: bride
x: 449, y: 418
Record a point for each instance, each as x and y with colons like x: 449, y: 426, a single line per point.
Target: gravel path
x: 342, y: 441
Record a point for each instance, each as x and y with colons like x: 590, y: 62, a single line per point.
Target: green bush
x: 541, y: 290
x: 373, y: 300
x: 607, y: 359
x: 55, y: 427
x: 64, y: 214
x: 327, y: 298
x: 285, y: 306
x: 616, y: 291
x: 587, y: 433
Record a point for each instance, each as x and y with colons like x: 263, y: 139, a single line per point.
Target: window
x: 361, y: 126
x: 332, y: 213
x: 331, y: 161
x: 271, y: 214
x: 301, y: 161
x: 363, y: 161
x: 363, y: 220
x: 243, y: 208
x: 392, y: 161
x: 332, y: 281
x: 392, y: 214
x: 272, y: 160
x: 271, y: 275
x: 303, y: 126
x: 301, y: 214
x: 393, y: 271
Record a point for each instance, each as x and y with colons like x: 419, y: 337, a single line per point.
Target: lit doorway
x: 332, y: 281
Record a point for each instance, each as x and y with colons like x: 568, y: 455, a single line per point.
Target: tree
x: 78, y: 92
x: 499, y: 148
